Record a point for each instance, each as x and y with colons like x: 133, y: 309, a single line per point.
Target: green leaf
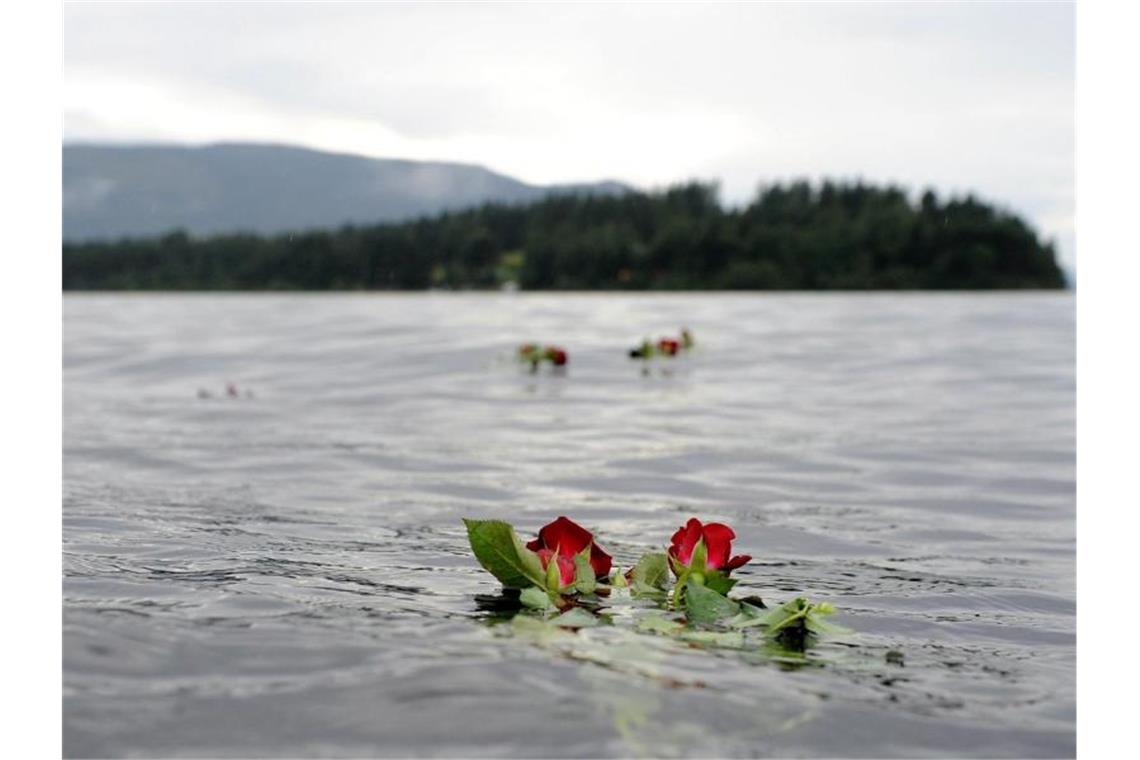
x: 821, y: 627
x: 617, y: 579
x: 658, y: 624
x: 553, y: 576
x: 678, y: 568
x: 700, y: 558
x: 576, y: 617
x: 584, y: 579
x: 719, y: 582
x: 502, y: 554
x: 728, y: 639
x: 651, y: 573
x: 703, y: 605
x: 744, y: 620
x: 536, y: 599
x: 531, y: 564
x: 787, y: 614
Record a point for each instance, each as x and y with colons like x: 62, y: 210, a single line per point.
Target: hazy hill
x: 137, y: 190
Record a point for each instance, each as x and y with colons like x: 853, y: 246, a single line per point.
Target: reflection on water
x: 287, y: 573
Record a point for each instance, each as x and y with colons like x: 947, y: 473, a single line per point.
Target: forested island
x: 831, y: 236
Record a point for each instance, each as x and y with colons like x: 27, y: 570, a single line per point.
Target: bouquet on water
x: 566, y: 574
x: 667, y: 346
x: 534, y: 355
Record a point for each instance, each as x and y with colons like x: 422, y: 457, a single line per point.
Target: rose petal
x: 566, y: 569
x: 718, y: 541
x: 565, y: 535
x: 737, y: 561
x: 600, y: 561
x: 685, y: 540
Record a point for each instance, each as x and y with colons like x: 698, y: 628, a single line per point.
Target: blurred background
x: 912, y: 145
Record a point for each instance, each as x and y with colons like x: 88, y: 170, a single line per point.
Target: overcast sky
x: 960, y: 97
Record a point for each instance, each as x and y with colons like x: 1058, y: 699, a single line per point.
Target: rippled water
x: 287, y: 574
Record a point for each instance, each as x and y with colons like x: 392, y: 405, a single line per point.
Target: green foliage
x: 576, y: 617
x: 719, y: 582
x: 797, y: 236
x: 536, y: 598
x: 584, y: 579
x: 651, y: 573
x: 704, y: 606
x: 801, y: 615
x: 503, y: 555
x: 658, y: 624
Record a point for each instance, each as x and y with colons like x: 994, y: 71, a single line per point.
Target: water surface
x: 286, y: 573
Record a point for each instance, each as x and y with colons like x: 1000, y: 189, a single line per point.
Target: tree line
x: 797, y: 236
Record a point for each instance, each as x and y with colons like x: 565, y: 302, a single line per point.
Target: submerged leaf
x: 658, y: 624
x: 576, y: 617
x: 726, y: 639
x: 536, y: 599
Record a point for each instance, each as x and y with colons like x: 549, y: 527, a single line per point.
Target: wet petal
x: 718, y: 541
x: 565, y: 535
x: 737, y: 561
x: 600, y: 561
x: 566, y: 569
x: 685, y: 540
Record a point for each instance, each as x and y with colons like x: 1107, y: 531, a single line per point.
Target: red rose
x: 561, y: 540
x: 668, y: 346
x: 718, y: 545
x: 556, y: 355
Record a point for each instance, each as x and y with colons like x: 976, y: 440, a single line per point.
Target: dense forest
x: 791, y: 237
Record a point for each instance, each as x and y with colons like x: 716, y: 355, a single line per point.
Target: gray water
x: 286, y: 573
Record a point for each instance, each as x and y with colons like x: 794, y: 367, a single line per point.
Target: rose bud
x: 560, y: 541
x: 668, y: 346
x: 556, y: 355
x: 687, y: 339
x: 565, y: 565
x: 716, y: 539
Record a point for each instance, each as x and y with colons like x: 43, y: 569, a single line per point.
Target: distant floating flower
x: 557, y: 356
x: 535, y: 355
x: 664, y: 346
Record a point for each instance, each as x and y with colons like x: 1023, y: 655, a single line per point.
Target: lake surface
x: 286, y: 573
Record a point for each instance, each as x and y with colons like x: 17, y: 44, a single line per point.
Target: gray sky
x: 956, y: 96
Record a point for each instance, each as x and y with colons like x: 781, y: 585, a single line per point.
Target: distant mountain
x: 112, y: 191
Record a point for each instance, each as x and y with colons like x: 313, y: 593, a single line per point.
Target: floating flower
x: 717, y: 542
x: 535, y: 355
x: 556, y: 355
x: 665, y: 346
x: 560, y: 540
